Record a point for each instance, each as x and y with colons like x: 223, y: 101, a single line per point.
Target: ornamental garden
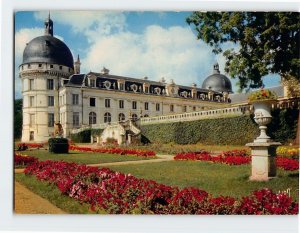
x: 198, y: 167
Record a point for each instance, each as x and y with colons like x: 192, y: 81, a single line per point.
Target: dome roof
x: 48, y: 49
x: 217, y: 82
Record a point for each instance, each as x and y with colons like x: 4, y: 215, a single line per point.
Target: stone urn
x: 262, y: 116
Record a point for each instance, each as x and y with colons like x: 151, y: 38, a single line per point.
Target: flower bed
x: 119, y: 193
x: 23, y: 160
x: 235, y: 158
x: 289, y: 152
x: 30, y: 145
x: 121, y: 151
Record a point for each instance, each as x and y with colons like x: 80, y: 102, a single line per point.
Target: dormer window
x: 40, y: 65
x: 107, y: 84
x: 60, y: 67
x: 92, y: 83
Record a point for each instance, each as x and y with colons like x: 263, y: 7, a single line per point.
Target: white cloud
x: 90, y: 23
x: 172, y: 53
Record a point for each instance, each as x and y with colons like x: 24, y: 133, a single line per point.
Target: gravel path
x: 27, y: 202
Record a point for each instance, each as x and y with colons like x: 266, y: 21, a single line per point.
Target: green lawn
x: 82, y: 158
x: 217, y: 179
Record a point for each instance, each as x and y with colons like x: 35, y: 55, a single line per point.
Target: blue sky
x: 135, y: 44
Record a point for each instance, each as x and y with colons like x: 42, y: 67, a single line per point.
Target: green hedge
x: 223, y: 131
x: 58, y: 145
x: 85, y: 135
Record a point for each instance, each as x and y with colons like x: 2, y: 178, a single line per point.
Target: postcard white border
x: 87, y: 223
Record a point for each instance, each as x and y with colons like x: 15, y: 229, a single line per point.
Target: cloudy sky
x: 134, y: 44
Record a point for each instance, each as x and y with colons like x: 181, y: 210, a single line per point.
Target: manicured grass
x: 53, y: 194
x: 217, y: 179
x: 81, y: 157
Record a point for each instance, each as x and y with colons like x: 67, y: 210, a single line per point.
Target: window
x: 121, y: 103
x: 31, y: 84
x: 92, y: 82
x: 133, y: 104
x: 50, y: 84
x: 171, y: 108
x: 146, y: 115
x: 92, y: 102
x: 75, y: 119
x: 107, y: 103
x: 146, y: 106
x: 157, y: 107
x: 134, y: 117
x: 40, y: 65
x: 121, y: 117
x: 28, y: 66
x: 50, y: 100
x: 31, y: 120
x: 122, y: 86
x: 184, y: 108
x: 194, y: 108
x: 146, y: 89
x: 51, y: 66
x: 60, y: 67
x: 50, y: 119
x: 31, y: 101
x: 92, y: 118
x: 75, y: 98
x: 107, y: 117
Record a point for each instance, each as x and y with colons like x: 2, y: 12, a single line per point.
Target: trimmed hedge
x: 85, y: 135
x: 58, y: 145
x: 223, y: 131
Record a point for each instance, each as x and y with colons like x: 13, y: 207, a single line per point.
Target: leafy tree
x: 267, y: 42
x: 18, y: 118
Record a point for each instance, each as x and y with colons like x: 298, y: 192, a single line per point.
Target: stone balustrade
x: 192, y: 116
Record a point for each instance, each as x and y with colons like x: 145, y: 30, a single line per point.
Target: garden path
x: 27, y: 202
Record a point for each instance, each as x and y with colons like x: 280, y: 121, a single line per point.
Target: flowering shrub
x: 262, y: 94
x: 23, y: 160
x: 266, y: 202
x: 121, y: 151
x: 119, y: 193
x: 30, y: 145
x: 235, y: 158
x: 289, y: 152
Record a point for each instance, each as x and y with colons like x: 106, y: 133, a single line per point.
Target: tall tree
x: 266, y: 43
x: 18, y: 118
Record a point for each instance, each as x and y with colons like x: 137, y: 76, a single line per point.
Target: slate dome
x: 217, y: 82
x: 48, y: 49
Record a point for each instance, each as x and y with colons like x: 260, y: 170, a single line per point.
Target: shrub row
x: 85, y: 135
x: 223, y: 131
x: 119, y: 193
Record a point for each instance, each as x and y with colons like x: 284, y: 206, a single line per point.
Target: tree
x: 18, y: 119
x: 266, y: 43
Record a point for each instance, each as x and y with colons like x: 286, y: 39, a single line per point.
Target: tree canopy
x: 266, y: 42
x: 18, y: 118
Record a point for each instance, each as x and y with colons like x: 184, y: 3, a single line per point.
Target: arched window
x: 134, y: 117
x: 146, y: 115
x: 107, y: 117
x: 121, y: 117
x: 92, y: 118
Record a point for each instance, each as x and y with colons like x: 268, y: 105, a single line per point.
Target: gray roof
x: 242, y: 97
x: 217, y: 82
x: 76, y: 79
x: 48, y: 49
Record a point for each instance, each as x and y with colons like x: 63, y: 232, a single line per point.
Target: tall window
x: 134, y: 117
x: 50, y: 100
x: 107, y: 117
x: 32, y: 120
x: 75, y: 99
x: 75, y: 119
x: 50, y: 119
x: 107, y: 103
x: 184, y: 108
x: 121, y: 117
x: 92, y: 82
x: 158, y: 107
x: 121, y: 103
x: 146, y: 106
x: 171, y: 108
x: 50, y: 84
x: 92, y: 102
x: 92, y: 118
x: 133, y: 104
x: 31, y: 84
x: 121, y: 86
x: 31, y: 101
x: 194, y: 108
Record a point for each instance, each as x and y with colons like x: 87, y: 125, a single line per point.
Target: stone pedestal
x: 263, y: 160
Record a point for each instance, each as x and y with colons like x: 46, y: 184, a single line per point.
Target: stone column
x: 263, y: 156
